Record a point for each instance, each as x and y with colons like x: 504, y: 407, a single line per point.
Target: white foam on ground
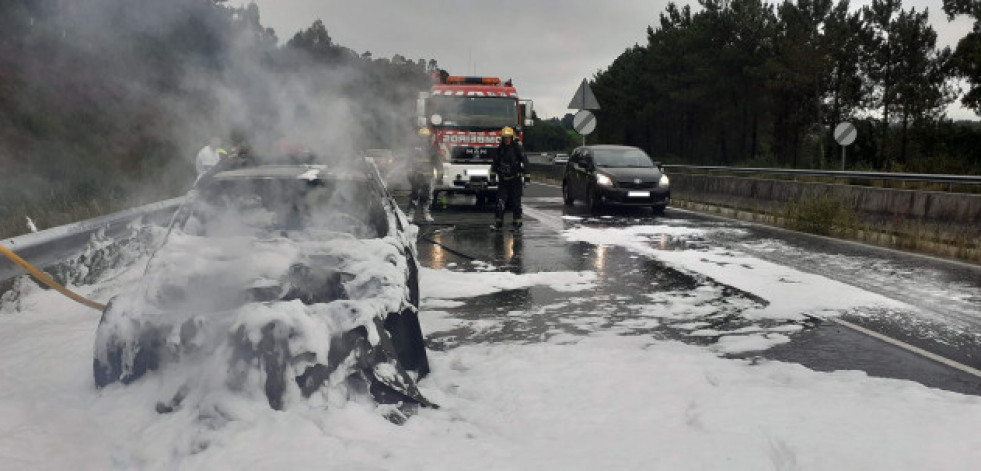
x: 599, y: 401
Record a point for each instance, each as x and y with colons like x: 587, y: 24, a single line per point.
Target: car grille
x: 631, y: 185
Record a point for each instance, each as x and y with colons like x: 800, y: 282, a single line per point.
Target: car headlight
x: 663, y: 182
x: 603, y: 180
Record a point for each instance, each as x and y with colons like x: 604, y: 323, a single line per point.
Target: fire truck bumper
x: 460, y: 179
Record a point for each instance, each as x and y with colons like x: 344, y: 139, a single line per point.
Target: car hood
x: 649, y: 174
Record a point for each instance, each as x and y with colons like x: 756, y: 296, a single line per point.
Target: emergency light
x: 473, y: 80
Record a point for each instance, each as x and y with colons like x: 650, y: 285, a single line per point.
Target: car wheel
x: 659, y: 209
x: 592, y: 201
x: 566, y: 194
x: 125, y: 349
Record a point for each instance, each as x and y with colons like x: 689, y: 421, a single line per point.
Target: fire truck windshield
x: 476, y: 111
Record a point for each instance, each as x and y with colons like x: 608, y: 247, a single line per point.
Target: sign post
x: 845, y: 134
x: 584, y: 122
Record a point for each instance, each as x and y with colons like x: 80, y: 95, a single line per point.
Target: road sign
x: 584, y: 122
x: 584, y: 99
x: 845, y: 133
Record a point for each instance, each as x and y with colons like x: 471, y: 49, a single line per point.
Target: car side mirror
x: 528, y: 111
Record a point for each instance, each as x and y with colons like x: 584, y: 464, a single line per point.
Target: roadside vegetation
x: 104, y: 103
x: 763, y: 84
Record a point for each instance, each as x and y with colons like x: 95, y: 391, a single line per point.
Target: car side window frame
x: 587, y: 160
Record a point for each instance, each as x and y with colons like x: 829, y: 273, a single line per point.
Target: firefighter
x: 422, y: 172
x: 208, y: 156
x: 511, y: 168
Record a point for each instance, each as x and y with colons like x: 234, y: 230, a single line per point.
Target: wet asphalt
x: 628, y: 284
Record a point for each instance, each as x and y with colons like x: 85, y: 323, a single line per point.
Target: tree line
x: 747, y: 82
x: 104, y: 103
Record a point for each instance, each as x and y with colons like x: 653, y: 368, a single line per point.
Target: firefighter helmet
x: 424, y: 132
x: 507, y: 132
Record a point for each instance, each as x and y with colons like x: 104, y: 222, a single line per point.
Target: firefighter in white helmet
x: 208, y: 156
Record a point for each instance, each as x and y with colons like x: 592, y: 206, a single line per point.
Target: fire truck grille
x: 473, y: 153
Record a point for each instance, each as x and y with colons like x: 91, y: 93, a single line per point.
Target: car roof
x: 286, y: 172
x: 610, y: 147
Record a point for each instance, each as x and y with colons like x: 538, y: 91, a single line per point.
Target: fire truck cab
x: 466, y: 115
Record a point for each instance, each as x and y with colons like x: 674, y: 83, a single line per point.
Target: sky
x: 546, y: 47
x: 597, y: 399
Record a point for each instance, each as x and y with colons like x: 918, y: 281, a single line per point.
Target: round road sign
x: 845, y: 133
x: 584, y: 122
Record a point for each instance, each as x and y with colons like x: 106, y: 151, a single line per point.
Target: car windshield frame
x: 260, y: 205
x: 483, y: 112
x: 622, y: 158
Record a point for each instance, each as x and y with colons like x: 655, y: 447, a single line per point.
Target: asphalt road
x: 945, y: 298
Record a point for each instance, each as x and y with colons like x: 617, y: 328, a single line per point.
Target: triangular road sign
x: 584, y: 99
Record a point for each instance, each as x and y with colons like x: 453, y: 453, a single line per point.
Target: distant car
x: 561, y: 159
x: 615, y: 175
x: 298, y: 277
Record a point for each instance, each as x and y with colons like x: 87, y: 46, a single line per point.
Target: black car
x: 283, y: 280
x: 615, y: 175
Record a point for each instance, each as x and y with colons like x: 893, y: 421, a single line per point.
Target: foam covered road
x: 741, y: 290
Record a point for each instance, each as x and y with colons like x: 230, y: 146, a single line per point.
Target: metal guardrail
x: 57, y: 244
x: 840, y: 175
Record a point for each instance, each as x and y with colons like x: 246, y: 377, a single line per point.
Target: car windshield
x: 476, y: 111
x: 260, y: 207
x: 622, y: 158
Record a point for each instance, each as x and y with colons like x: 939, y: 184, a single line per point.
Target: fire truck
x: 466, y: 115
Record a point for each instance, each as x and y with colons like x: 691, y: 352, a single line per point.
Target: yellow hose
x: 43, y: 278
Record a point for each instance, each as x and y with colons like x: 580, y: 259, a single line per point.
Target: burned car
x: 298, y: 278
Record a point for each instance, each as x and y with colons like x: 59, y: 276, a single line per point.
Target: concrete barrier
x: 942, y: 223
x: 875, y: 204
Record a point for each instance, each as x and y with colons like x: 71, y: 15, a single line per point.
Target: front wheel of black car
x: 566, y: 194
x: 659, y: 209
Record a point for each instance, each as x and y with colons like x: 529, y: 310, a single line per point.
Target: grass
x: 825, y: 215
x: 52, y: 212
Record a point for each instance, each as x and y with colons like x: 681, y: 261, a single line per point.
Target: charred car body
x: 298, y: 278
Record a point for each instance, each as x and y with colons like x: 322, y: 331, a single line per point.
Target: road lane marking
x: 908, y: 347
x: 552, y: 222
x: 558, y: 225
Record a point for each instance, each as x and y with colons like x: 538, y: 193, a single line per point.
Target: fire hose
x: 44, y: 278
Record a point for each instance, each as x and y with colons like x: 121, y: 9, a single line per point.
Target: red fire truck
x: 466, y: 115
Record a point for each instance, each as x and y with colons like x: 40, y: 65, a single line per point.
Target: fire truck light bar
x: 474, y: 80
